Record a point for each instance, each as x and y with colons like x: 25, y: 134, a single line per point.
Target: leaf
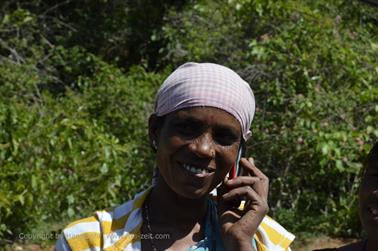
x: 325, y: 149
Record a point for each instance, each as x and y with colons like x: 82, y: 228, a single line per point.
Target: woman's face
x: 196, y: 148
x: 368, y: 197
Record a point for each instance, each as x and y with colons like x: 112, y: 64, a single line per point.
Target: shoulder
x: 104, y: 229
x: 83, y: 234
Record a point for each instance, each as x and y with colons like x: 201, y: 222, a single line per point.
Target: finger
x: 251, y: 160
x: 258, y: 181
x: 254, y: 202
x: 240, y: 192
x: 233, y: 198
x: 241, y: 181
x: 244, y: 171
x: 262, y: 186
x: 249, y: 166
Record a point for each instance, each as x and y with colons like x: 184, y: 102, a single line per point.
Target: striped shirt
x: 120, y: 230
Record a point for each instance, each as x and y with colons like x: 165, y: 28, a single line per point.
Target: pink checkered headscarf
x: 207, y: 84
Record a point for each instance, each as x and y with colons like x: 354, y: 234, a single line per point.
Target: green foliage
x: 322, y: 80
x: 63, y: 157
x: 72, y: 130
x: 204, y: 31
x: 76, y: 90
x: 120, y: 32
x: 313, y: 67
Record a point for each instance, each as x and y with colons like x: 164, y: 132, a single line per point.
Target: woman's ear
x: 154, y: 130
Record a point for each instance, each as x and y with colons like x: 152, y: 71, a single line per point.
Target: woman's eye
x: 226, y: 139
x: 185, y: 129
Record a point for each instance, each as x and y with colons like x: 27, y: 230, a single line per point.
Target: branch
x: 55, y: 7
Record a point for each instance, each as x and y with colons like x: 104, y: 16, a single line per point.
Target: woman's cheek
x: 229, y: 161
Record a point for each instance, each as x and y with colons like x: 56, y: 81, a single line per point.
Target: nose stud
x: 202, y: 152
x: 212, y: 153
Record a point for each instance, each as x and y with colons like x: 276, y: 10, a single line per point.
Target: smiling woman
x: 202, y: 117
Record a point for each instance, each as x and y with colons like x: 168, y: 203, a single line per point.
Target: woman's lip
x: 197, y: 175
x: 208, y: 168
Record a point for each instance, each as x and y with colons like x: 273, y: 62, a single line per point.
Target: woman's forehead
x: 207, y: 115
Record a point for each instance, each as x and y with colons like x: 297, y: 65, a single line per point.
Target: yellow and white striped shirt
x: 120, y: 230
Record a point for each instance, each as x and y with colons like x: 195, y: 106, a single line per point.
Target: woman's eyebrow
x: 197, y: 122
x: 187, y: 118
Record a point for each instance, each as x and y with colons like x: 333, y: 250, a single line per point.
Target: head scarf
x: 207, y: 84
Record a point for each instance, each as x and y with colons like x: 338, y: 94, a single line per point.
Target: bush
x: 73, y: 134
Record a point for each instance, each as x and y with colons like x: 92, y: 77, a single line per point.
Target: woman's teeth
x: 194, y: 170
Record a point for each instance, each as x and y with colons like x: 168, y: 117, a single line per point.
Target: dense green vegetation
x: 77, y: 83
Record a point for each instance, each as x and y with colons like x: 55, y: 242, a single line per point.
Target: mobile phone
x: 236, y: 170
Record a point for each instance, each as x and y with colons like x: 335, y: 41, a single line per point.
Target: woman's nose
x: 203, y: 146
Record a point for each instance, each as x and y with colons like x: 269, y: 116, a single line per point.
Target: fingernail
x: 250, y: 159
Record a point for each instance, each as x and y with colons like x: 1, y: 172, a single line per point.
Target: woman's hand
x: 239, y: 226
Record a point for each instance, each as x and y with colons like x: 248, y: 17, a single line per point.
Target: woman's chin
x: 193, y: 194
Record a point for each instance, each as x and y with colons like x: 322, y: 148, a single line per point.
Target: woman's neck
x: 168, y: 208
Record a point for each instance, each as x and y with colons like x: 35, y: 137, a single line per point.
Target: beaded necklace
x: 146, y: 217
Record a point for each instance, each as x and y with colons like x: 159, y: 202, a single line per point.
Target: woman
x: 202, y: 117
x: 368, y: 206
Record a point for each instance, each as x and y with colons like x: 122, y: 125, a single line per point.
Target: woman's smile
x: 195, y: 177
x: 196, y: 170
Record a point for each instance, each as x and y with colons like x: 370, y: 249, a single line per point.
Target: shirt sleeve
x: 61, y: 244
